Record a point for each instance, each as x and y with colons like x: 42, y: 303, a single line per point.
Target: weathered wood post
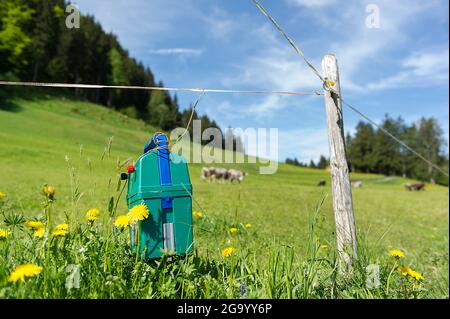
x: 341, y: 187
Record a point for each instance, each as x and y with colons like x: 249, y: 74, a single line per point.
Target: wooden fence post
x: 341, y: 186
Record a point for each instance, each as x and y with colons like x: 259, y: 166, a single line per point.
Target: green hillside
x: 76, y: 146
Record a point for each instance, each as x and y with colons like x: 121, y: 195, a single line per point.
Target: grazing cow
x: 207, y: 172
x: 415, y: 186
x: 234, y: 174
x: 220, y: 174
x: 322, y: 182
x: 357, y: 184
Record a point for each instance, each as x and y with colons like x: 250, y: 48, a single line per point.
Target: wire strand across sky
x: 275, y: 92
x: 351, y: 107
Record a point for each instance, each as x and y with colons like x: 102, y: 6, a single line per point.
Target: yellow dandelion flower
x: 248, y: 225
x: 39, y: 233
x: 227, y: 251
x: 59, y: 233
x: 2, y: 195
x: 4, y: 233
x: 416, y: 275
x: 233, y: 230
x: 324, y: 246
x: 92, y: 214
x: 138, y: 212
x: 121, y: 221
x: 198, y: 214
x: 32, y: 224
x: 397, y: 253
x: 26, y: 270
x: 404, y: 270
x: 64, y: 227
x: 49, y: 191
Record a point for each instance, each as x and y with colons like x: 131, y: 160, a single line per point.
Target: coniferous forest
x: 36, y: 45
x: 370, y: 150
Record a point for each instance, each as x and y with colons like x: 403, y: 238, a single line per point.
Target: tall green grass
x: 69, y: 144
x: 108, y: 269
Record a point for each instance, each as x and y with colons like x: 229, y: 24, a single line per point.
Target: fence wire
x: 392, y: 136
x: 203, y: 90
x: 351, y: 107
x: 153, y: 88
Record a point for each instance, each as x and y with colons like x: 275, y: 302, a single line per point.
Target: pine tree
x: 239, y: 144
x: 14, y: 41
x: 44, y: 33
x: 229, y: 139
x: 429, y: 144
x: 387, y: 153
x: 323, y: 162
x: 360, y: 148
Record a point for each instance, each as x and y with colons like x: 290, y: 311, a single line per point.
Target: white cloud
x: 171, y: 51
x: 305, y: 144
x: 278, y: 69
x: 274, y: 67
x: 311, y: 3
x: 267, y: 106
x: 220, y: 24
x: 425, y: 64
x: 225, y: 112
x: 420, y: 69
x: 368, y: 48
x: 135, y: 20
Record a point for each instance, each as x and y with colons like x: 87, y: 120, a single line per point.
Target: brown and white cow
x: 236, y: 175
x: 322, y: 182
x: 207, y: 173
x: 415, y: 186
x: 357, y: 184
x: 220, y: 174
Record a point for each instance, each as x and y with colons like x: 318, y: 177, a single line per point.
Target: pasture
x: 288, y: 252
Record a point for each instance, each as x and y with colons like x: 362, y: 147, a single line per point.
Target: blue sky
x: 401, y: 68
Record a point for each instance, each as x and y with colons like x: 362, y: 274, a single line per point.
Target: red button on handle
x: 131, y: 169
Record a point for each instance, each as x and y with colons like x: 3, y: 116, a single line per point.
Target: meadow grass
x: 289, y: 252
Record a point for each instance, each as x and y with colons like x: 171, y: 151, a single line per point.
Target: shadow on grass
x: 9, y: 106
x: 6, y: 102
x: 7, y: 96
x: 202, y: 265
x: 174, y: 271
